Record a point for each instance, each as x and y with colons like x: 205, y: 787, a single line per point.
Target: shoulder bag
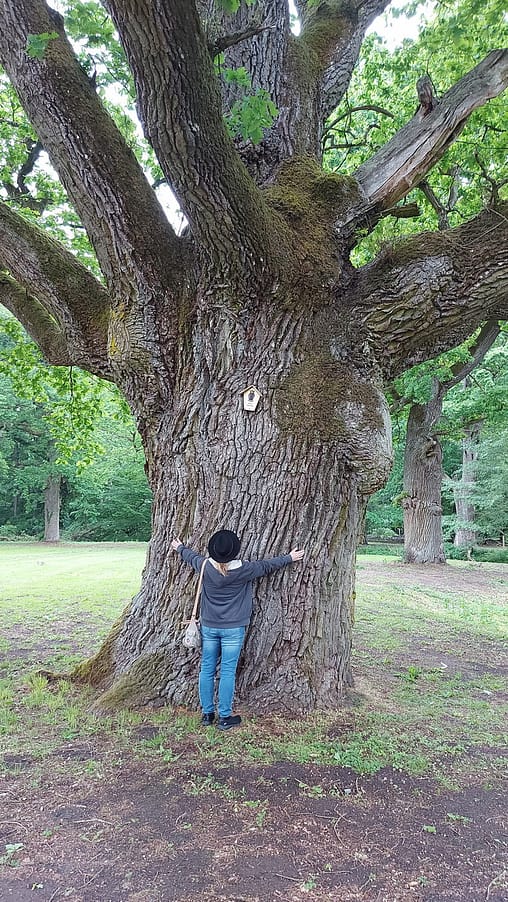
x: 192, y: 635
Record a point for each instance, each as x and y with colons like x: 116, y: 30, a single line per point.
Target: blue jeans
x: 228, y: 644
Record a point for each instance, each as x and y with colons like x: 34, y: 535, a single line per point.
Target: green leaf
x: 36, y: 44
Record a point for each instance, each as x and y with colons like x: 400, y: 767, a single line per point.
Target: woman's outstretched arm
x: 255, y: 569
x: 187, y: 554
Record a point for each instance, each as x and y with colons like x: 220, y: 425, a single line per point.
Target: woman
x: 226, y: 607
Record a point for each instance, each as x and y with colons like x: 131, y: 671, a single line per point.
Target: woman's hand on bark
x: 297, y: 554
x: 176, y: 544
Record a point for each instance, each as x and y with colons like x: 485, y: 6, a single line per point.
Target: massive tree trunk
x: 296, y: 471
x: 423, y: 477
x: 258, y: 290
x: 52, y: 509
x: 465, y: 534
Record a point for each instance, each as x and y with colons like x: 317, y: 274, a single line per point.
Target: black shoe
x: 207, y: 720
x: 226, y: 723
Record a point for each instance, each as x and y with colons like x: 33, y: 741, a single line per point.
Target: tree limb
x: 334, y: 31
x: 117, y: 206
x: 39, y: 324
x: 223, y: 42
x: 72, y: 297
x: 405, y: 160
x: 19, y: 192
x: 437, y: 206
x: 427, y: 294
x: 179, y: 105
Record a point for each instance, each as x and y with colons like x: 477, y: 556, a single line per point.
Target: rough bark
x: 296, y: 471
x: 61, y: 302
x: 52, y: 509
x: 465, y: 534
x: 423, y: 476
x: 428, y: 294
x: 260, y: 290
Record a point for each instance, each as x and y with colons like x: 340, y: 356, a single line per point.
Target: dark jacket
x: 226, y: 601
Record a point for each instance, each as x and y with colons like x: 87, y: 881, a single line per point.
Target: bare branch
x: 405, y: 160
x: 495, y: 186
x: 35, y: 149
x: 19, y: 192
x: 369, y: 108
x: 440, y: 209
x: 427, y: 294
x: 39, y: 324
x: 119, y: 210
x: 72, y: 297
x: 223, y: 42
x: 486, y: 338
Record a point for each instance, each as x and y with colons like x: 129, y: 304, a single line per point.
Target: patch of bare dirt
x: 280, y: 832
x: 84, y: 824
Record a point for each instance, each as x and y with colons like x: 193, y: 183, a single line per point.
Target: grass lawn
x: 396, y: 796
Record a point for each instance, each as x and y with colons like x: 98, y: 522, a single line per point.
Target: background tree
x: 26, y: 466
x: 48, y: 429
x: 477, y: 408
x: 110, y: 500
x: 260, y: 288
x: 423, y: 455
x: 490, y: 492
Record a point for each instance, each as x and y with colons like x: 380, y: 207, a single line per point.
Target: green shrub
x: 376, y: 548
x: 478, y: 553
x: 9, y: 533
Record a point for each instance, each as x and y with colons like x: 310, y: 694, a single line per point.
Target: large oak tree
x: 259, y: 289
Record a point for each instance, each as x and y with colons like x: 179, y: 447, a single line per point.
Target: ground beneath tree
x: 184, y: 829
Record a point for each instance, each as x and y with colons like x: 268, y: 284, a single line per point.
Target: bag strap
x: 198, y: 591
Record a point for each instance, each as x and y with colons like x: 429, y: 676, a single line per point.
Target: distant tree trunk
x: 466, y: 535
x: 52, y: 509
x: 423, y: 476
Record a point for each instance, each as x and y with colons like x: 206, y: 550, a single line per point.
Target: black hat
x: 224, y: 546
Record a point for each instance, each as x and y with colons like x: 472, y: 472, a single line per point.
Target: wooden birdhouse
x: 251, y: 397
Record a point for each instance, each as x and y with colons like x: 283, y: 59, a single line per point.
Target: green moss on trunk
x: 98, y: 670
x: 139, y: 686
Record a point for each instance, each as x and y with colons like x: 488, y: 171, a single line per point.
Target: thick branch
x: 39, y: 324
x: 334, y: 31
x: 283, y: 66
x: 429, y: 293
x: 405, y: 160
x: 105, y: 183
x: 70, y: 294
x: 180, y: 107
